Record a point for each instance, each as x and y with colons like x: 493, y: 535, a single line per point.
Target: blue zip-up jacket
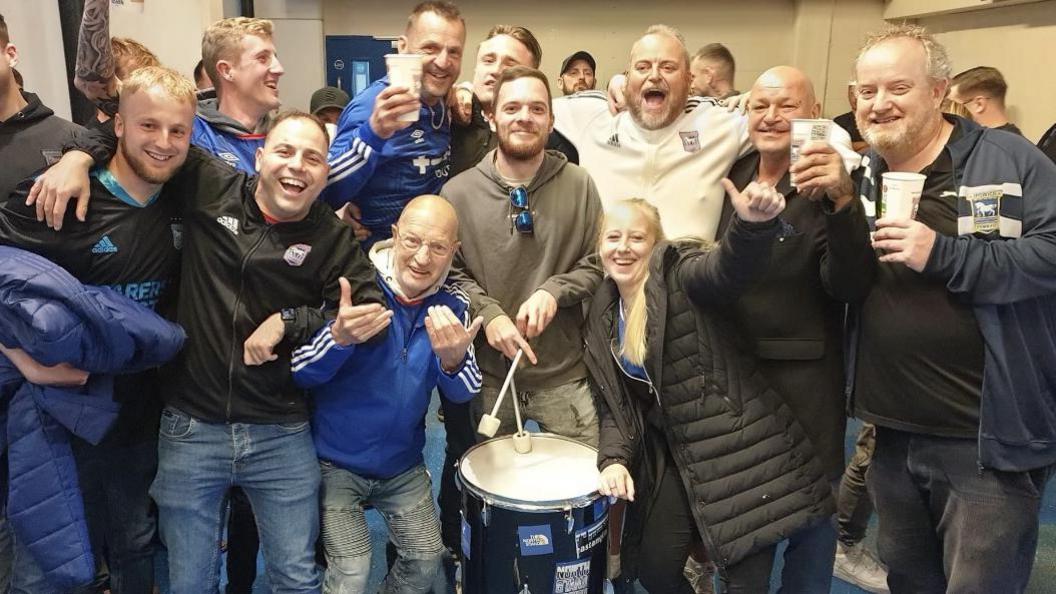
x: 371, y: 399
x: 382, y: 176
x: 50, y: 315
x: 1009, y: 277
x: 224, y: 137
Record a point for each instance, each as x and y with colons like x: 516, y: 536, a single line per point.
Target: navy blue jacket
x: 1008, y: 275
x: 50, y: 315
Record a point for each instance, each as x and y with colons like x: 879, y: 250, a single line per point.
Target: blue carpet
x: 1043, y: 580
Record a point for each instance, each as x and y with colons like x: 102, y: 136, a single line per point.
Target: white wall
x: 1020, y: 41
x: 819, y: 36
x: 301, y: 46
x: 171, y: 29
x: 35, y: 30
x: 758, y: 32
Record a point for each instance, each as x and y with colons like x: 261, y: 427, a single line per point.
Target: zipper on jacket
x: 647, y: 380
x: 234, y: 319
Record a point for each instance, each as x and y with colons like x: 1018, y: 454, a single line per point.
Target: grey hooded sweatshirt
x: 500, y: 268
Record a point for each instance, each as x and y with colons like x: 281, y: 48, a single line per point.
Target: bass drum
x: 532, y: 523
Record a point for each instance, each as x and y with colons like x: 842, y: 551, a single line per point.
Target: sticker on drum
x: 536, y: 522
x: 572, y: 577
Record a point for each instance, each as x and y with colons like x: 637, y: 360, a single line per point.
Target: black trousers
x: 670, y: 531
x: 461, y: 435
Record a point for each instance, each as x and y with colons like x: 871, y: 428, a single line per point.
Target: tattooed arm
x: 94, y: 74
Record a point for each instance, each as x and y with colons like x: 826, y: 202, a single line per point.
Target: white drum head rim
x: 498, y: 454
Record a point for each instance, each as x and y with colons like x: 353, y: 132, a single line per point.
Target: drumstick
x: 522, y: 440
x: 489, y: 424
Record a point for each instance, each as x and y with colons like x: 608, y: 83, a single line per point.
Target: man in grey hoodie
x: 529, y: 230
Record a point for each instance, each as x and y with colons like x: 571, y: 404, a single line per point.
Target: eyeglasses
x: 413, y: 244
x: 521, y: 220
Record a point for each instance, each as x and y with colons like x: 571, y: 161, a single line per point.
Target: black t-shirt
x: 846, y: 121
x: 920, y: 357
x: 129, y: 247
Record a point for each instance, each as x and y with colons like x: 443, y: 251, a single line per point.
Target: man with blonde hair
x: 130, y: 241
x: 239, y: 56
x: 261, y: 261
x: 954, y: 357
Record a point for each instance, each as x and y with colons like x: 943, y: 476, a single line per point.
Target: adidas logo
x: 614, y: 140
x: 104, y: 246
x: 231, y: 223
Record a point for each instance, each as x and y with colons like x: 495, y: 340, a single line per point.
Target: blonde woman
x: 690, y: 433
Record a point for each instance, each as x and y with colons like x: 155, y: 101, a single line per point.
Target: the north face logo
x: 104, y: 246
x: 231, y: 223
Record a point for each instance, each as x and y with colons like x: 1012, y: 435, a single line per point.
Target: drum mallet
x: 522, y: 440
x: 489, y: 424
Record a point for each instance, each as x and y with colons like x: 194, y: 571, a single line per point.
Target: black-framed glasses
x: 520, y: 211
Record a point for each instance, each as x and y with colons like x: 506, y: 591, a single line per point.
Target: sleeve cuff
x: 458, y: 370
x: 367, y: 135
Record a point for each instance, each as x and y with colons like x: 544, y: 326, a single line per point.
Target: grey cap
x: 328, y: 97
x: 580, y: 55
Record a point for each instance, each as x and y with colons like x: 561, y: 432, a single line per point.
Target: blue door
x: 355, y: 61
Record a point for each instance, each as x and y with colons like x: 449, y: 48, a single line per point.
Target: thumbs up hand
x: 758, y: 203
x: 356, y: 324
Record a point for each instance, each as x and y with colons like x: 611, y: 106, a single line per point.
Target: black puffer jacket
x: 749, y: 470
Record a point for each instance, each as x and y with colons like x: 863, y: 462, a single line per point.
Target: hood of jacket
x: 209, y: 110
x: 383, y: 257
x: 553, y: 163
x: 34, y: 111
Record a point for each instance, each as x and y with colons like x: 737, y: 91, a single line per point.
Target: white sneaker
x: 856, y: 565
x: 700, y: 575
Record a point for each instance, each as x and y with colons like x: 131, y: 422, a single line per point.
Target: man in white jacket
x: 668, y: 148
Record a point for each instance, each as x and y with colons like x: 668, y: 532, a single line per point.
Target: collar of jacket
x: 310, y: 221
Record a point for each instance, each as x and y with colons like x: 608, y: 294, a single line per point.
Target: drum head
x: 557, y: 472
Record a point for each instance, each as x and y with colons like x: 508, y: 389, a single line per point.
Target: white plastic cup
x: 804, y: 131
x: 900, y: 194
x: 405, y: 70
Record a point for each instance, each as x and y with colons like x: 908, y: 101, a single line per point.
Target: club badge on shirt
x: 985, y: 206
x: 296, y: 254
x: 690, y: 141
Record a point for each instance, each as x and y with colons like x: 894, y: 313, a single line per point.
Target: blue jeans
x: 406, y: 503
x: 808, y: 559
x: 275, y: 465
x: 947, y: 526
x: 113, y: 479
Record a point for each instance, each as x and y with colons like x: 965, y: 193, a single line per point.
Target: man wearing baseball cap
x: 327, y: 103
x: 577, y: 73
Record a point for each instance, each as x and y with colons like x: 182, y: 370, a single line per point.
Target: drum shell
x: 507, y: 546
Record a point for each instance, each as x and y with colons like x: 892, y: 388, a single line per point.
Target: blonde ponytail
x: 635, y: 327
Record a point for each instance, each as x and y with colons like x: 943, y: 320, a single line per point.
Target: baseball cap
x: 328, y: 97
x: 580, y: 55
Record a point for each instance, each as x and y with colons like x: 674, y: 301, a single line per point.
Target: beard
x: 521, y: 151
x: 656, y: 121
x: 898, y: 137
x: 139, y: 166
